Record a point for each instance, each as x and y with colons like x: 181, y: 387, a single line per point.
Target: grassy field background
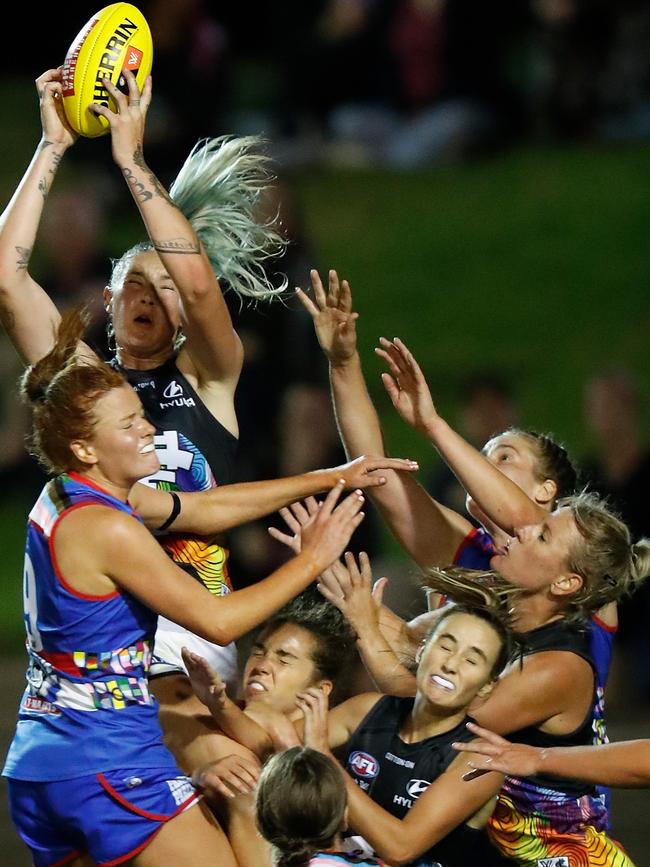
x: 534, y: 263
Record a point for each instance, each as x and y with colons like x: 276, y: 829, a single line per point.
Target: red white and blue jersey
x: 87, y: 706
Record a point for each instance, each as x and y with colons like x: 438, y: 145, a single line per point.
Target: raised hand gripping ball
x: 115, y: 38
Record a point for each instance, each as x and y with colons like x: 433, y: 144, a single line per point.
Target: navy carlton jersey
x: 395, y: 774
x: 87, y: 694
x: 196, y: 453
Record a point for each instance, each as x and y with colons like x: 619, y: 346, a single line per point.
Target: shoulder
x: 353, y: 710
x: 556, y: 669
x: 96, y: 520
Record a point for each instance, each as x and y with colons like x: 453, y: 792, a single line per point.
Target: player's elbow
x: 399, y: 853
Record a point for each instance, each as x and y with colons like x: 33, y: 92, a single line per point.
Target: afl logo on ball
x: 363, y: 765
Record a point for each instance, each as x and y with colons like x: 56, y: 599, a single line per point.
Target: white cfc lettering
x: 171, y: 456
x: 30, y: 605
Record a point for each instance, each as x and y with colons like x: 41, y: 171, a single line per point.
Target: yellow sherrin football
x: 115, y: 38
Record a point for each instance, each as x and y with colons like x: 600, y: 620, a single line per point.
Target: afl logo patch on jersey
x: 173, y: 390
x: 364, y: 765
x: 416, y: 787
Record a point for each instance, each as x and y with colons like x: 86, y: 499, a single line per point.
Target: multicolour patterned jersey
x: 476, y: 551
x: 196, y: 453
x: 87, y: 706
x: 551, y: 822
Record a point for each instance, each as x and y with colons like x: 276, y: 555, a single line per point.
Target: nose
x: 147, y: 428
x: 522, y: 534
x: 450, y: 664
x: 260, y: 665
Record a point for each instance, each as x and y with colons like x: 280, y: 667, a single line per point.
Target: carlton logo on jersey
x: 175, y: 396
x: 364, y: 765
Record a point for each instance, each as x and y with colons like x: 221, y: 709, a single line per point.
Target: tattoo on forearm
x: 43, y: 187
x: 24, y: 255
x: 138, y: 159
x: 177, y: 245
x: 56, y: 159
x: 138, y: 189
x: 45, y: 144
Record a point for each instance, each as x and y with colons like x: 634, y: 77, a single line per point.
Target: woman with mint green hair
x: 174, y: 339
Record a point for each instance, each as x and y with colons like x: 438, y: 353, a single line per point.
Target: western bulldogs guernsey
x: 394, y: 774
x: 196, y: 453
x: 476, y: 551
x: 87, y: 707
x: 541, y: 819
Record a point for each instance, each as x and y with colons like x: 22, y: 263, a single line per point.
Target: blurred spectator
x: 488, y: 408
x: 626, y: 81
x: 190, y: 45
x: 590, y: 69
x: 620, y: 470
x: 20, y: 478
x: 73, y: 264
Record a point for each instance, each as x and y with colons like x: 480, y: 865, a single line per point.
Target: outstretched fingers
x: 329, y: 503
x: 318, y: 290
x: 307, y: 303
x: 334, y: 288
x: 345, y: 298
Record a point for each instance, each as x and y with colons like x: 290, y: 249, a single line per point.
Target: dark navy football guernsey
x: 395, y: 774
x: 196, y: 453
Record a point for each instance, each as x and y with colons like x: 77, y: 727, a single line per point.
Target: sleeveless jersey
x: 394, y: 774
x: 87, y: 707
x: 196, y: 453
x: 476, y: 551
x: 544, y: 817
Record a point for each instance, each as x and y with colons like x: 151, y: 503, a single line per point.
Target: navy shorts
x: 111, y: 816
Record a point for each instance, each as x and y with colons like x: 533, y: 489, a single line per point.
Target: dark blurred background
x: 477, y: 171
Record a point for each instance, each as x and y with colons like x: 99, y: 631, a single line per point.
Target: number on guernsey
x: 30, y: 606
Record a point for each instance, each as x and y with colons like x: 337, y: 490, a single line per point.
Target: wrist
x: 543, y: 760
x: 52, y: 150
x: 322, y: 480
x: 342, y: 364
x: 433, y: 428
x: 311, y: 562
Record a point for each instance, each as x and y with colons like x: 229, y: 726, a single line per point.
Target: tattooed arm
x: 27, y: 313
x: 212, y: 346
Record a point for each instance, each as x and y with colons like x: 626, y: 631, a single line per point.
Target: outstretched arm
x: 227, y: 506
x: 504, y: 502
x: 429, y: 532
x: 212, y: 345
x: 27, y: 313
x: 118, y: 550
x: 626, y: 764
x: 231, y: 719
x: 349, y: 588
